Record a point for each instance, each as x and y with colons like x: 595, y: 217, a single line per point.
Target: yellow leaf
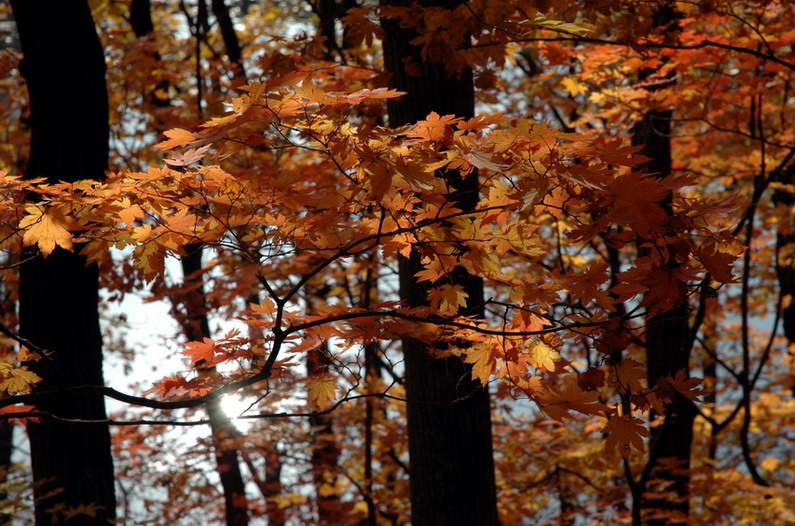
x: 322, y: 391
x: 448, y: 298
x: 543, y: 357
x: 309, y: 90
x: 47, y: 228
x: 17, y: 380
x: 129, y: 212
x: 573, y: 87
x: 482, y: 356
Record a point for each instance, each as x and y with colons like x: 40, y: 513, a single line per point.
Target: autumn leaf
x: 623, y: 432
x: 17, y: 380
x: 201, y: 351
x: 176, y: 137
x: 434, y: 128
x: 313, y: 92
x: 718, y: 262
x: 448, y: 298
x: 628, y: 375
x: 542, y: 356
x: 687, y: 387
x: 47, y: 227
x: 322, y: 391
x: 482, y: 356
x: 20, y: 408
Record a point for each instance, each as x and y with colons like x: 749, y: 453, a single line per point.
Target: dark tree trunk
x: 65, y: 71
x: 141, y: 17
x: 6, y: 450
x: 785, y: 266
x: 668, y: 347
x: 196, y: 328
x: 668, y: 342
x: 449, y: 420
x: 325, y: 449
x: 195, y: 325
x: 231, y: 43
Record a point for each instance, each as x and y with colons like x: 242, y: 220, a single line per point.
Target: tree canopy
x: 575, y: 217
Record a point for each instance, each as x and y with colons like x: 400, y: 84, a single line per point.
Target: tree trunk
x: 785, y: 267
x: 196, y: 328
x: 449, y: 420
x: 231, y: 43
x: 668, y: 351
x: 65, y: 72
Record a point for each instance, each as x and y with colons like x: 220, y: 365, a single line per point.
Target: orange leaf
x: 21, y: 408
x: 201, y: 351
x: 176, y: 137
x: 434, y: 127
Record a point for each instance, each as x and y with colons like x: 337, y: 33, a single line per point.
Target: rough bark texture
x: 65, y: 71
x: 449, y: 422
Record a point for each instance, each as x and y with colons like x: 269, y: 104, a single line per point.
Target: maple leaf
x: 557, y: 404
x: 483, y: 358
x: 718, y: 262
x: 623, y: 432
x: 17, y: 380
x: 129, y: 212
x: 542, y: 356
x: 190, y: 156
x: 448, y: 298
x: 47, y: 227
x: 313, y: 92
x: 322, y: 391
x: 628, y: 375
x: 176, y: 137
x: 434, y: 128
x: 687, y: 387
x: 380, y: 179
x: 201, y: 351
x: 573, y: 87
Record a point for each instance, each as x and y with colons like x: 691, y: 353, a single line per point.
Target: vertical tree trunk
x: 65, y: 70
x: 785, y: 267
x: 231, y: 43
x: 668, y: 345
x: 196, y: 328
x: 449, y: 420
x: 195, y: 325
x: 325, y: 450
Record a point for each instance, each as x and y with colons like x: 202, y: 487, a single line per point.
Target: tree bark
x: 231, y: 43
x: 668, y: 347
x: 64, y: 68
x: 196, y: 327
x: 449, y: 420
x: 785, y: 267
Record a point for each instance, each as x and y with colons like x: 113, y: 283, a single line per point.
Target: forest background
x: 444, y: 262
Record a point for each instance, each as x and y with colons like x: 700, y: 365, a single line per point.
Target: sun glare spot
x: 234, y: 406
